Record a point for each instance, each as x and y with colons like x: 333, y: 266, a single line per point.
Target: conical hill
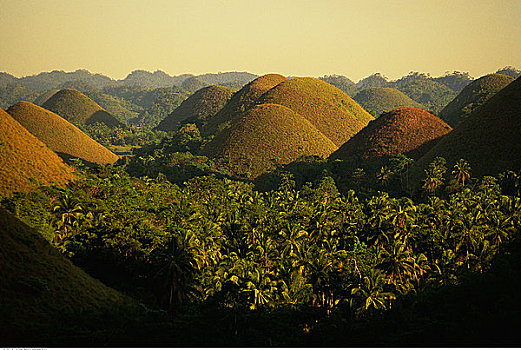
x: 473, y: 96
x: 241, y: 101
x: 489, y: 139
x: 40, y: 100
x: 267, y: 135
x: 407, y: 130
x: 61, y: 136
x: 24, y: 158
x: 326, y: 107
x: 203, y: 104
x: 379, y: 99
x: 79, y: 109
x: 44, y: 295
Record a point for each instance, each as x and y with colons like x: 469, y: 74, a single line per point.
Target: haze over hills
x: 406, y: 130
x: 24, y: 158
x: 205, y: 103
x: 473, y: 96
x: 79, y: 109
x: 489, y: 139
x: 343, y: 83
x: 378, y: 100
x: 265, y: 136
x: 59, y: 135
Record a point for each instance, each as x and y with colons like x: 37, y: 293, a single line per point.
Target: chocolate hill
x: 43, y: 294
x: 203, y: 104
x: 267, y: 135
x: 407, y: 130
x: 24, y: 158
x: 473, y: 96
x: 326, y: 107
x: 61, y: 136
x: 40, y: 100
x: 241, y: 101
x: 79, y: 109
x: 489, y: 139
x: 379, y: 99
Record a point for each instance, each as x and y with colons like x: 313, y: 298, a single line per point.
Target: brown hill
x: 79, y: 109
x: 24, y: 158
x: 328, y: 108
x: 407, y: 130
x: 267, y: 134
x: 473, y: 96
x: 241, y: 101
x: 202, y: 105
x: 43, y: 293
x: 489, y: 139
x: 61, y: 136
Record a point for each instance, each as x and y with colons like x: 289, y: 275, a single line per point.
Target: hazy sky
x: 291, y: 37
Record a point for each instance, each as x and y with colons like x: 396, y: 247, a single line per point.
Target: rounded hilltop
x: 61, y: 136
x: 267, y: 135
x: 489, y: 139
x: 24, y: 158
x: 407, y: 130
x: 241, y: 101
x: 472, y: 96
x: 79, y: 109
x: 326, y: 107
x: 203, y: 104
x: 379, y: 99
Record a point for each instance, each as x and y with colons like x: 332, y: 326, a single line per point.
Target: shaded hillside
x: 10, y: 94
x: 44, y: 295
x: 49, y: 80
x: 40, y: 100
x: 267, y: 135
x: 227, y: 77
x: 241, y: 101
x: 411, y: 131
x: 375, y: 80
x: 7, y: 79
x: 193, y: 84
x: 379, y: 100
x: 79, y: 109
x: 326, y: 107
x: 473, y: 96
x: 456, y: 81
x: 152, y: 80
x: 204, y: 103
x: 61, y: 136
x: 489, y: 139
x: 343, y: 83
x: 24, y: 158
x: 510, y: 71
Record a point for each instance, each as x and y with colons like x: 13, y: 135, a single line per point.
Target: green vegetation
x: 373, y: 81
x: 510, y: 71
x: 473, y: 95
x: 11, y: 94
x: 456, y: 81
x: 379, y: 100
x: 343, y: 83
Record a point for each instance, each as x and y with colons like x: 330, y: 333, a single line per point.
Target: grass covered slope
x: 203, y: 104
x: 489, y: 139
x: 79, y: 109
x: 326, y: 107
x: 407, y: 130
x: 23, y: 157
x: 378, y: 100
x: 61, y: 136
x: 44, y: 295
x: 40, y: 100
x: 267, y: 135
x: 473, y: 96
x: 241, y: 101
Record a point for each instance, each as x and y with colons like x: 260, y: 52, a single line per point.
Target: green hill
x: 203, y: 104
x: 267, y: 135
x: 59, y: 135
x: 40, y: 100
x: 379, y: 100
x: 406, y: 130
x: 343, y: 83
x: 489, y: 139
x: 375, y: 80
x: 326, y: 107
x: 79, y: 109
x: 473, y: 96
x: 24, y: 158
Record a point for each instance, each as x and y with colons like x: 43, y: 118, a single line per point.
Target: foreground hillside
x: 61, y: 136
x: 267, y: 135
x: 79, y: 109
x: 24, y: 159
x: 472, y: 96
x: 489, y: 139
x: 406, y: 130
x: 379, y: 100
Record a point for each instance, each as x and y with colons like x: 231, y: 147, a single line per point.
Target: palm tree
x: 69, y: 211
x: 398, y: 263
x: 461, y: 172
x: 370, y: 292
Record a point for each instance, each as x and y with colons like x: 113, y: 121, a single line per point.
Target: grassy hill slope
x: 379, y: 100
x: 61, y: 136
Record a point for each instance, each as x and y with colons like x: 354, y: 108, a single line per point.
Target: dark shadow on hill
x: 105, y: 118
x: 69, y: 159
